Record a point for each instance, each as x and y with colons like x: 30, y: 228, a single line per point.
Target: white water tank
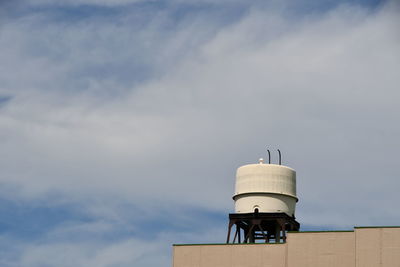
x: 266, y: 187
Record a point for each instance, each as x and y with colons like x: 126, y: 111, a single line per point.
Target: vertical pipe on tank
x: 269, y: 156
x: 280, y: 157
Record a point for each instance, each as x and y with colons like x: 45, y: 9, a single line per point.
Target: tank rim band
x: 263, y: 193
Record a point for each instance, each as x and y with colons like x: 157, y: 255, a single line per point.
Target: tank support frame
x: 268, y: 227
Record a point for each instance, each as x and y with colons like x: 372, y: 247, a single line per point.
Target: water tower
x: 265, y: 201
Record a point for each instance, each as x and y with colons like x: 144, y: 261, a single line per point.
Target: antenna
x: 269, y: 156
x: 280, y: 157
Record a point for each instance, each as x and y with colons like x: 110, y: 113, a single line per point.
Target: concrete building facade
x: 362, y: 247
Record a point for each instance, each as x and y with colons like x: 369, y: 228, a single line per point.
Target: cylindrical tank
x: 265, y: 187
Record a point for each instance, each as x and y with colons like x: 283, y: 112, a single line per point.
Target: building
x: 362, y: 247
x: 263, y: 231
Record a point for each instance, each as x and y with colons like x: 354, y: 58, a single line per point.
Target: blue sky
x: 122, y: 122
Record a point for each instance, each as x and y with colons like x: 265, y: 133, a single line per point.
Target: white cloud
x: 106, y: 3
x: 117, y: 3
x: 83, y: 244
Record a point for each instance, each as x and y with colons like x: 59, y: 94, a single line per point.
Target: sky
x: 122, y: 122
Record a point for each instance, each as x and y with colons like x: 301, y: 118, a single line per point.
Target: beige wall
x: 266, y: 255
x: 363, y: 247
x: 330, y: 249
x: 378, y: 247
